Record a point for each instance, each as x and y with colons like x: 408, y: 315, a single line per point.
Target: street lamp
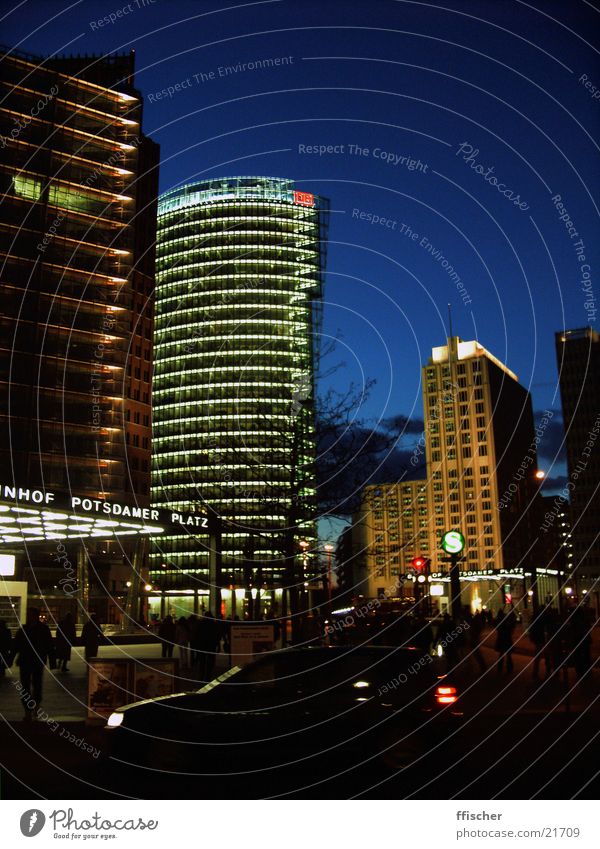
x: 304, y: 545
x: 328, y: 548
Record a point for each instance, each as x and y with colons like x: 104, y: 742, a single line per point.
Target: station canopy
x: 39, y: 515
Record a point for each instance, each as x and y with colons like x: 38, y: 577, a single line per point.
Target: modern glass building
x: 240, y: 266
x: 77, y: 227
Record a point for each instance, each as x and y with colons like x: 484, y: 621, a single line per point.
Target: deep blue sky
x: 408, y: 78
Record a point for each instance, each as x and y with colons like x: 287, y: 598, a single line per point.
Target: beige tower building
x: 481, y: 463
x: 390, y: 529
x: 481, y: 455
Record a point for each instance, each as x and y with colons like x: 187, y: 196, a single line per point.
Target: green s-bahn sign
x: 453, y: 542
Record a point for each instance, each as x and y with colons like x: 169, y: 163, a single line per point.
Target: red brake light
x: 445, y: 695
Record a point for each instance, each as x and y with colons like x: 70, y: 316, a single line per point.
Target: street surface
x: 519, y: 738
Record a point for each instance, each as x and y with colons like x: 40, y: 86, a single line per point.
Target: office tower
x: 578, y: 359
x: 238, y: 282
x: 77, y: 223
x: 556, y: 540
x: 481, y: 461
x: 389, y: 530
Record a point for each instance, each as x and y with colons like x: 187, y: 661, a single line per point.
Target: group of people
x: 561, y: 641
x: 33, y: 646
x: 198, y: 639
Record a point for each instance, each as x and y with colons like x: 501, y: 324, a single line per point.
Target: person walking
x: 227, y: 635
x: 65, y: 638
x: 537, y: 635
x: 553, y: 648
x: 579, y: 641
x: 91, y: 636
x: 5, y: 648
x: 207, y: 640
x: 475, y: 631
x: 193, y: 631
x: 182, y: 638
x: 166, y: 634
x: 505, y: 625
x: 31, y: 646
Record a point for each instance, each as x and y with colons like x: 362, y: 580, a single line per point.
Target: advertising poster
x: 154, y: 678
x: 248, y: 641
x: 109, y: 686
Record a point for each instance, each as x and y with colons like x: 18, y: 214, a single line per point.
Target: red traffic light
x: 418, y: 563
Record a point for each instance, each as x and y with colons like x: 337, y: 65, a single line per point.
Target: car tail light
x: 445, y: 695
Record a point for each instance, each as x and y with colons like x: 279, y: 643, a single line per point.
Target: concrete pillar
x: 214, y: 572
x: 83, y: 583
x: 132, y: 605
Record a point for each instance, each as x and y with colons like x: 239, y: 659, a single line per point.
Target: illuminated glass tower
x: 239, y: 278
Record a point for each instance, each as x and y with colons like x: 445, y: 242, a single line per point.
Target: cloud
x: 404, y: 425
x: 350, y: 458
x: 550, y: 445
x: 554, y: 483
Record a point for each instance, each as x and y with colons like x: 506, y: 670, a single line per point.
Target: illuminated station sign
x: 36, y: 515
x: 304, y: 198
x: 453, y: 542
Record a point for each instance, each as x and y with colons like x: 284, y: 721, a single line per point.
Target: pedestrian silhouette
x: 91, y: 636
x: 166, y: 634
x: 538, y: 635
x: 65, y: 638
x: 476, y: 624
x: 505, y: 625
x: 207, y: 639
x: 31, y: 647
x: 192, y: 623
x: 5, y: 648
x: 182, y: 638
x: 553, y: 648
x: 579, y: 642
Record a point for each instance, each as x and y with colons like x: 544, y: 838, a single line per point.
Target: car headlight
x: 115, y: 719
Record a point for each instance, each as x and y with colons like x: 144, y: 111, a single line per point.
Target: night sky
x: 406, y: 81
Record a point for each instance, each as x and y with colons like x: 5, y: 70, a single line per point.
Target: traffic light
x: 419, y: 563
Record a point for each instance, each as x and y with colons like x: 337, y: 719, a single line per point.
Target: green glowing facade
x: 239, y: 278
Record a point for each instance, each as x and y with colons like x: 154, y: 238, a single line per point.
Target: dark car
x: 316, y: 710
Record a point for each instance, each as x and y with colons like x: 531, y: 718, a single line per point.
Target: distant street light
x: 328, y: 548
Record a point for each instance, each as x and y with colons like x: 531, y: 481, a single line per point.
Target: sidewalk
x: 523, y: 645
x: 503, y: 694
x: 65, y: 693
